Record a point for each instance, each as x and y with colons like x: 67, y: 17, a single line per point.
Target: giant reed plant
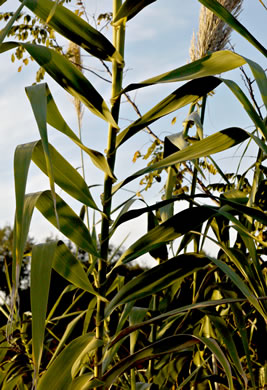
x: 196, y: 338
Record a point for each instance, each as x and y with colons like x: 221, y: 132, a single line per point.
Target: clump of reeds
x: 213, y: 34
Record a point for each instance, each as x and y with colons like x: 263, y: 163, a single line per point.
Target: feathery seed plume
x: 74, y: 54
x: 213, y: 34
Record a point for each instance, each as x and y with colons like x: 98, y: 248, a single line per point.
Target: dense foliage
x: 194, y: 321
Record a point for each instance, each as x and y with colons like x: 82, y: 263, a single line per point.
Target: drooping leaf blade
x: 70, y: 268
x: 70, y: 224
x: 75, y: 29
x: 35, y: 94
x: 41, y: 265
x: 250, y: 110
x: 67, y: 76
x: 188, y: 93
x: 172, y: 228
x: 55, y: 119
x: 158, y: 278
x: 59, y: 374
x: 65, y: 175
x: 210, y: 65
x: 214, y: 143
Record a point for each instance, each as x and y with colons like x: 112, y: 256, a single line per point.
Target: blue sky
x: 157, y: 40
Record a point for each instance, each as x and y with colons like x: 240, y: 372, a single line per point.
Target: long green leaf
x: 68, y: 76
x: 236, y: 279
x: 21, y: 168
x: 65, y: 175
x: 41, y: 265
x: 228, y: 18
x: 188, y: 93
x: 70, y: 268
x: 215, y: 143
x: 39, y: 107
x: 227, y: 339
x: 260, y: 78
x: 164, y: 346
x: 59, y: 374
x: 70, y: 224
x: 75, y: 29
x: 167, y: 345
x: 216, y: 350
x: 250, y: 110
x: 174, y: 313
x: 158, y: 278
x: 172, y: 228
x: 253, y: 212
x: 130, y: 8
x: 55, y: 119
x: 210, y: 65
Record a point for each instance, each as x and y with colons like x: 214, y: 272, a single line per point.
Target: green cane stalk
x: 117, y: 75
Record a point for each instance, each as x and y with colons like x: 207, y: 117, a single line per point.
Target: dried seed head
x: 213, y: 33
x: 74, y: 55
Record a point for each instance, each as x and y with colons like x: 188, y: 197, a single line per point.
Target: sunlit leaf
x: 214, y: 143
x: 68, y: 76
x: 210, y: 65
x: 55, y: 119
x: 74, y: 28
x: 70, y: 224
x: 158, y: 278
x: 65, y: 175
x: 59, y: 374
x: 250, y: 110
x: 172, y: 228
x: 188, y: 93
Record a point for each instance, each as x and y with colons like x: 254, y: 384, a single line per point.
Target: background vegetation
x: 193, y: 321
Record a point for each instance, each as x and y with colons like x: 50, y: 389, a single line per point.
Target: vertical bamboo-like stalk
x: 117, y: 75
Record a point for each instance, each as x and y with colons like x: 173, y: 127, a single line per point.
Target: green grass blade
x: 239, y: 283
x: 68, y: 331
x: 22, y: 159
x: 55, y: 119
x: 60, y: 374
x: 67, y: 76
x: 70, y: 268
x: 169, y: 230
x: 75, y: 29
x: 35, y: 94
x: 174, y: 313
x: 237, y: 91
x: 228, y: 18
x: 157, y: 278
x: 164, y: 346
x: 188, y: 93
x: 227, y: 339
x: 210, y: 65
x: 216, y: 350
x: 260, y: 78
x: 70, y: 224
x: 41, y: 265
x: 130, y: 8
x: 65, y: 175
x: 215, y: 143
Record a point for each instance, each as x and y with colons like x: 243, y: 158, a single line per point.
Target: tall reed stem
x: 117, y: 75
